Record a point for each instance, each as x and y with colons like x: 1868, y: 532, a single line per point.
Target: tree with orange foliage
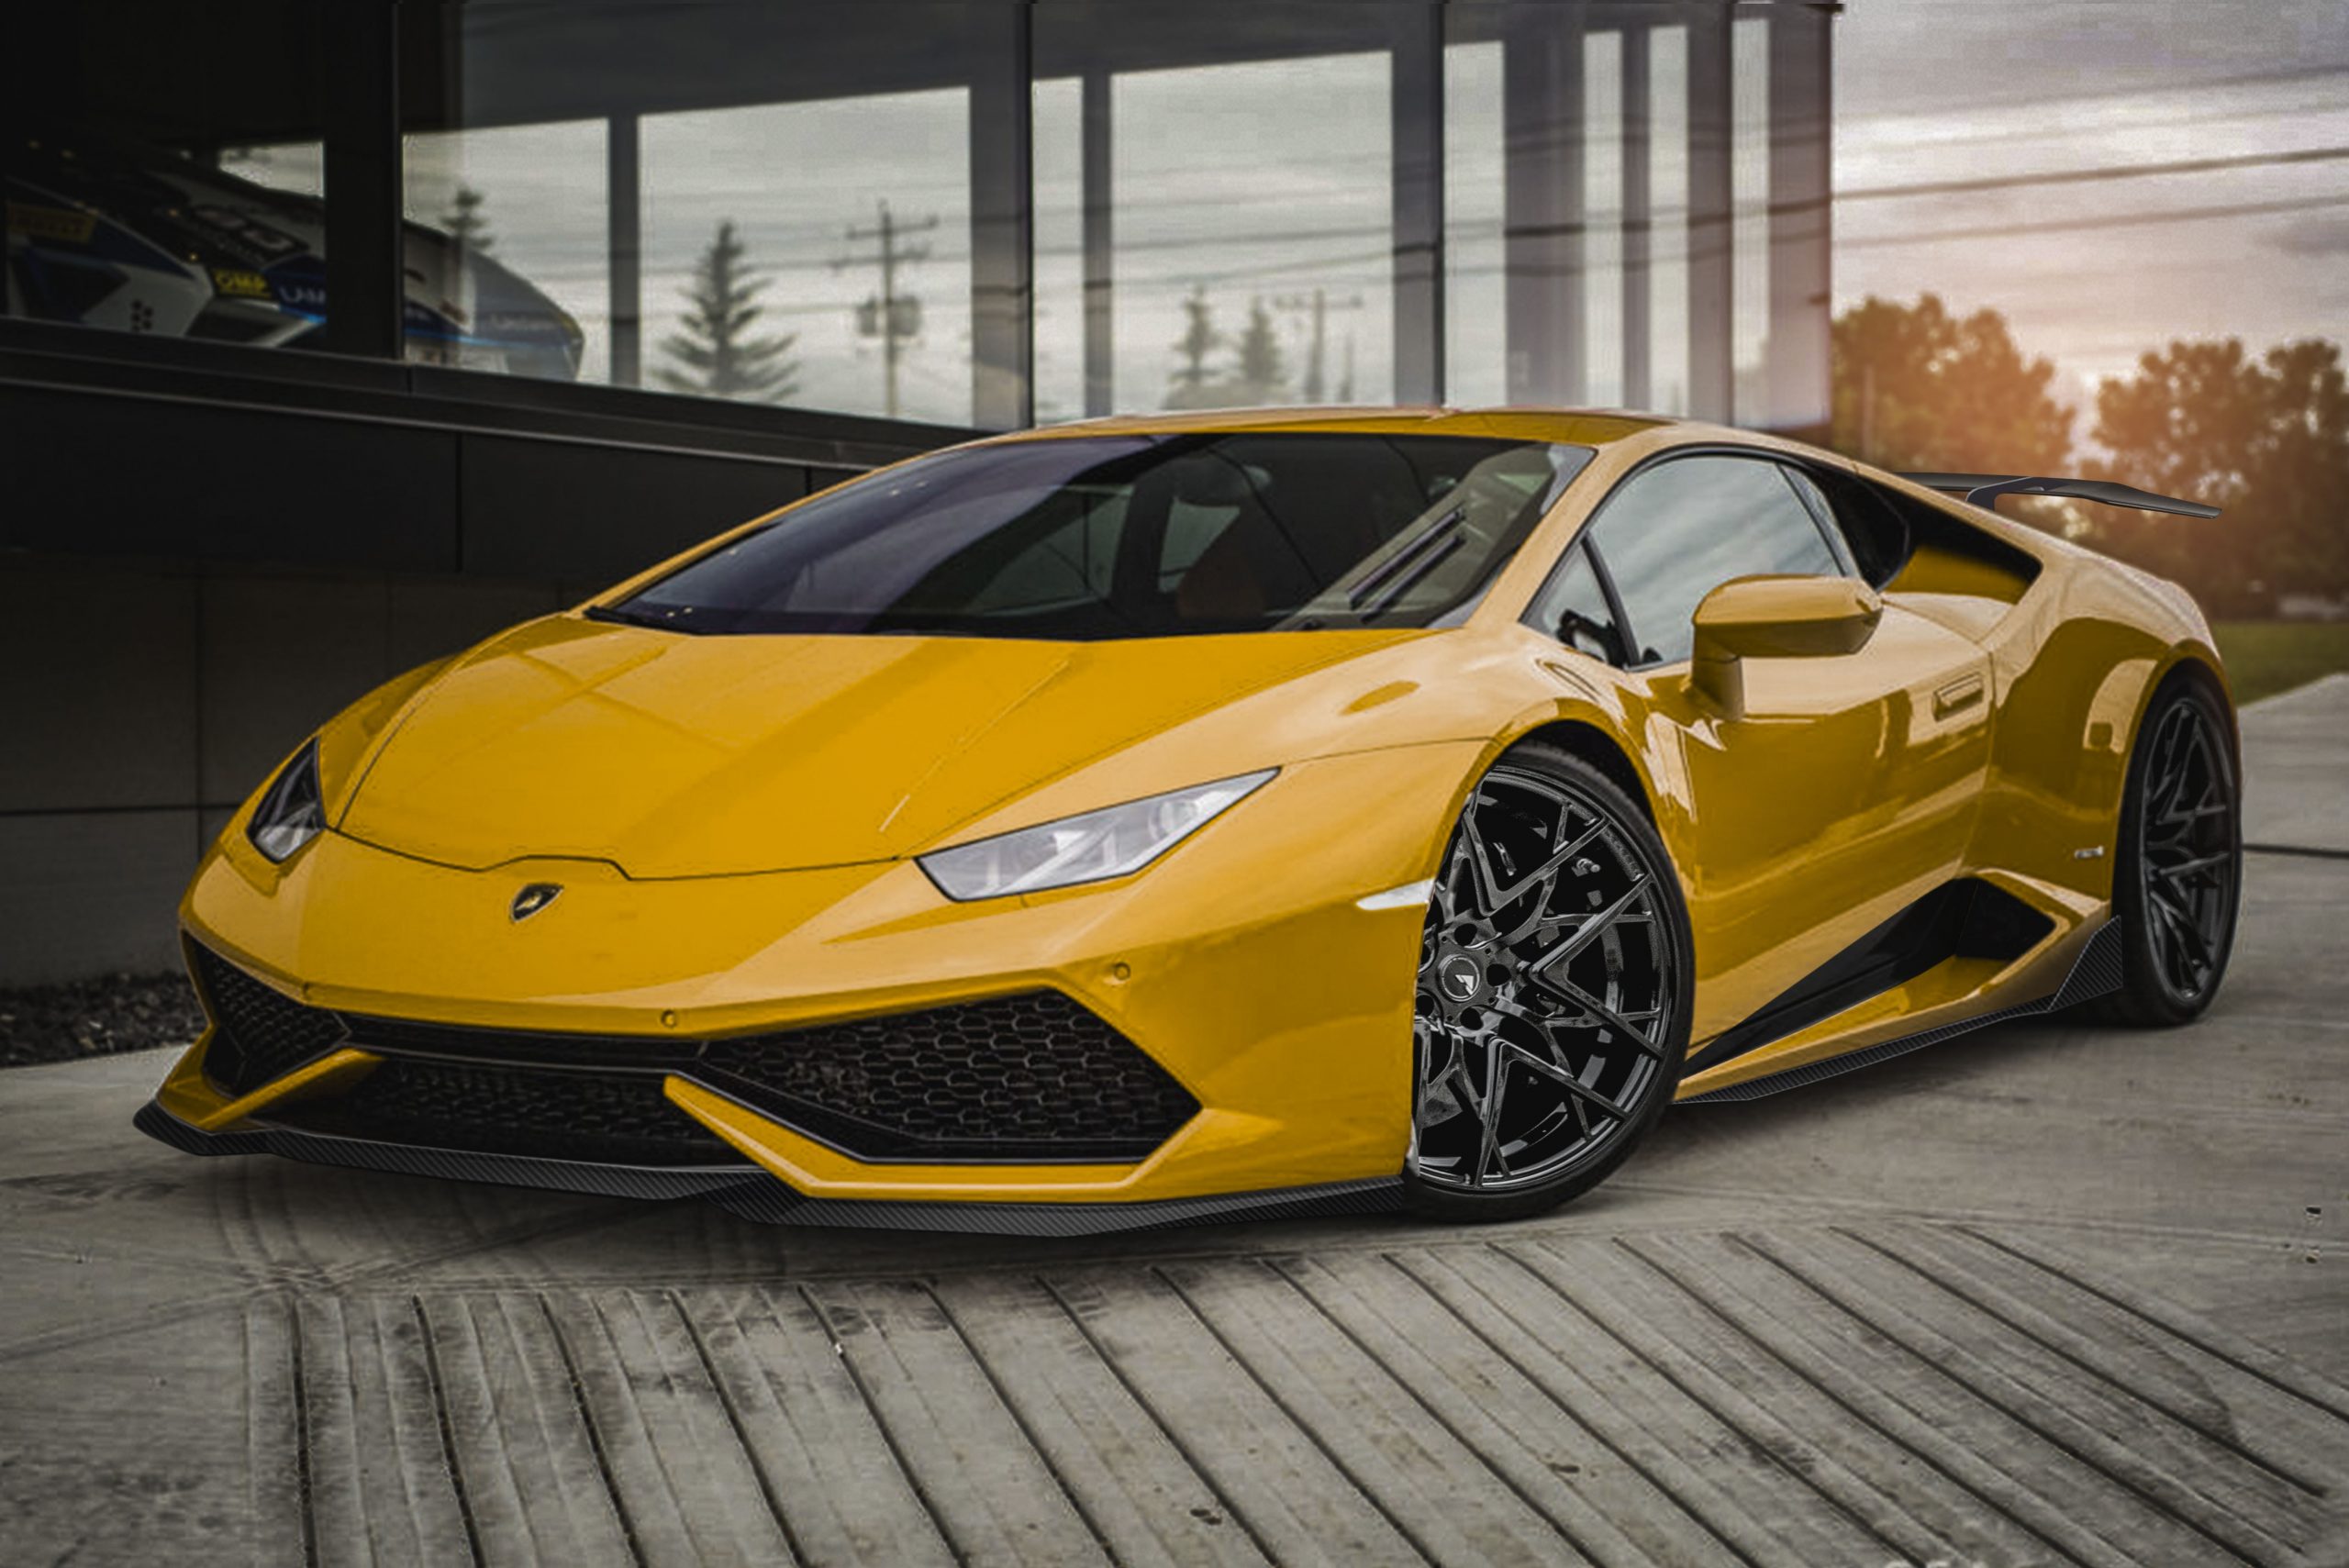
x: 2267, y: 440
x: 1916, y: 387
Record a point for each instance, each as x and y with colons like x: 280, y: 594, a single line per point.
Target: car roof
x: 1578, y: 427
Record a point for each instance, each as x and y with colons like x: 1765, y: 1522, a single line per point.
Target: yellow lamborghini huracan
x: 1163, y: 818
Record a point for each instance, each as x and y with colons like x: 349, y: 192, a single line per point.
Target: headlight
x: 1092, y: 847
x: 291, y: 810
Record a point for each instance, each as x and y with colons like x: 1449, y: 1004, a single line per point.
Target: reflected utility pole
x: 890, y: 316
x: 1316, y: 356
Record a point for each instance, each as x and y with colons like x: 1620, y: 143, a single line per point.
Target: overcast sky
x: 1972, y: 89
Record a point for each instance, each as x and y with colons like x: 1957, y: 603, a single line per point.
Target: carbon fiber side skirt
x: 2095, y: 973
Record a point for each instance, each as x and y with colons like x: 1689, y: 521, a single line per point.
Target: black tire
x: 2177, y: 861
x: 1555, y: 975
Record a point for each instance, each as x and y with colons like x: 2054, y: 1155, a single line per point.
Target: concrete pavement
x: 2045, y: 1293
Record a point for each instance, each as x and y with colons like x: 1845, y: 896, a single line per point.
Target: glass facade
x: 971, y: 213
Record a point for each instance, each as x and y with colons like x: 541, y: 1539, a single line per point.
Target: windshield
x: 1094, y: 536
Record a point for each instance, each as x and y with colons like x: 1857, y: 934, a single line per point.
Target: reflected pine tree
x: 717, y: 351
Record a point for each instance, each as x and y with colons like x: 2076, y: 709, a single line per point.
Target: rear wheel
x: 2177, y: 872
x: 1553, y: 992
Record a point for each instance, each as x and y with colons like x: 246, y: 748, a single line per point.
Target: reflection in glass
x: 1675, y: 532
x: 1259, y: 195
x: 521, y: 208
x: 1059, y: 195
x: 1750, y: 214
x: 1100, y: 536
x: 856, y: 256
x: 1572, y: 608
x: 1475, y: 333
x: 137, y: 239
x: 1602, y: 201
x: 1668, y: 234
x: 1239, y: 247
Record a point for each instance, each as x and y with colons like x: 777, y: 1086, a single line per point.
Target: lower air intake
x: 259, y: 1032
x: 1028, y: 1077
x: 618, y: 1119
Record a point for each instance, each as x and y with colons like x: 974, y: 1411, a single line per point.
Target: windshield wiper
x: 620, y: 616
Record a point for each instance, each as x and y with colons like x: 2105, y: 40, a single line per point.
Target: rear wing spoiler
x: 1984, y: 490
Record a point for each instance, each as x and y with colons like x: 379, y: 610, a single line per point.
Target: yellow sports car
x: 1166, y: 818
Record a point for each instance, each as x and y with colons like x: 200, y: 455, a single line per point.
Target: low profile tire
x: 2178, y: 865
x: 1553, y: 992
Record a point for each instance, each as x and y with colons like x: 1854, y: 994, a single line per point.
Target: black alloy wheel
x: 2177, y: 875
x: 1553, y: 1003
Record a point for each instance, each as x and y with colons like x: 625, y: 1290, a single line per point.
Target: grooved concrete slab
x: 1790, y: 1395
x: 2050, y: 1293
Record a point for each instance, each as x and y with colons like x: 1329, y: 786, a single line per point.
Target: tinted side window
x: 1573, y: 609
x: 1874, y: 532
x: 1675, y: 532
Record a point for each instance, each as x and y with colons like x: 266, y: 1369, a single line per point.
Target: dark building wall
x: 198, y: 565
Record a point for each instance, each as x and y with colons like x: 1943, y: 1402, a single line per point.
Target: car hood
x: 672, y: 755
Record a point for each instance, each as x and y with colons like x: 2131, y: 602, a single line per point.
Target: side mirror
x: 1776, y: 618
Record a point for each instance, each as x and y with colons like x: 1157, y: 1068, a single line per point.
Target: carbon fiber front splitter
x: 747, y: 1190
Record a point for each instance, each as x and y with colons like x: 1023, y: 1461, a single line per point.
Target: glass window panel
x: 515, y: 269
x: 1572, y: 608
x: 1252, y: 199
x: 1602, y: 188
x: 1475, y: 333
x: 857, y: 256
x: 1058, y: 184
x: 757, y: 153
x: 1668, y: 205
x: 1672, y: 533
x: 1749, y: 216
x: 1094, y: 536
x: 165, y: 178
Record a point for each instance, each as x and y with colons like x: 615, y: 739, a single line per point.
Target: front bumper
x: 1241, y: 964
x: 746, y: 1190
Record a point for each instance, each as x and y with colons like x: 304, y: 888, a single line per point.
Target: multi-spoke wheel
x: 2178, y: 871
x: 1553, y: 1001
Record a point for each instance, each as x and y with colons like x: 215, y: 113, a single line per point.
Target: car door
x: 1845, y: 789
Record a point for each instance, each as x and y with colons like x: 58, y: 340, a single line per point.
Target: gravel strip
x: 96, y: 1017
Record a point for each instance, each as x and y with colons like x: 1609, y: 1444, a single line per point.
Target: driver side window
x: 1672, y: 533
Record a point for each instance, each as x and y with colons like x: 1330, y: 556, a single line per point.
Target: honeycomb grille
x: 262, y: 1033
x: 554, y: 1113
x: 1034, y: 1077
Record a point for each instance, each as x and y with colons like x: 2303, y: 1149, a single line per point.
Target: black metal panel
x: 549, y: 510
x: 97, y: 474
x: 364, y: 159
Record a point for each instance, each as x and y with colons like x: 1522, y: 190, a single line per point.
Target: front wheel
x: 1553, y: 1003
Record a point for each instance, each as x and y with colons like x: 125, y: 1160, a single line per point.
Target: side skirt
x: 2095, y: 973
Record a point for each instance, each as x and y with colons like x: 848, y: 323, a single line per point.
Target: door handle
x: 1957, y: 697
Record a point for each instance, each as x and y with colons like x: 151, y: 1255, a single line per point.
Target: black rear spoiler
x: 1984, y: 490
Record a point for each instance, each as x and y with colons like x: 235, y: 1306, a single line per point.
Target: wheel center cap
x: 1460, y: 977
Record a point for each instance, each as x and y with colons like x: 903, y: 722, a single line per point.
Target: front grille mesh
x: 1034, y: 1077
x: 621, y: 1118
x: 259, y: 1033
x: 1030, y: 1077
